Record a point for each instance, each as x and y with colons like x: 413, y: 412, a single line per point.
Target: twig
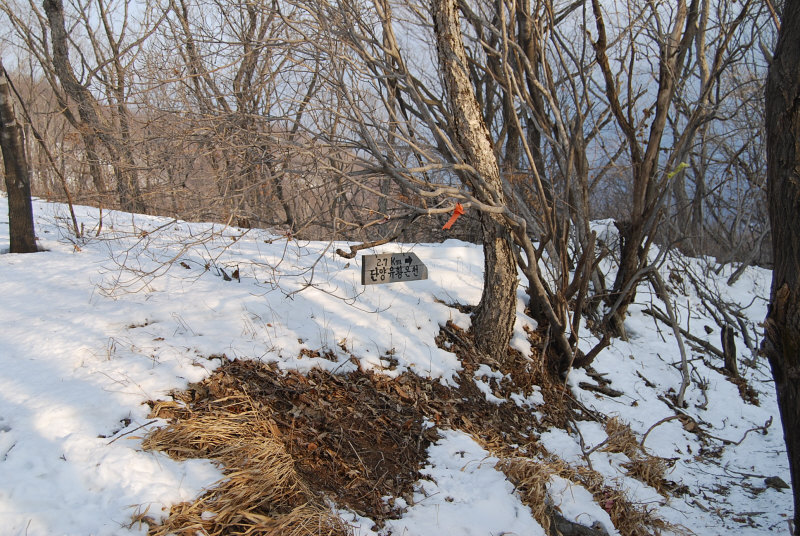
x: 583, y: 443
x: 454, y: 335
x: 776, y: 21
x: 604, y: 389
x: 358, y: 247
x: 763, y: 429
x: 131, y: 431
x: 662, y: 421
x: 700, y: 342
x: 750, y: 475
x: 661, y: 291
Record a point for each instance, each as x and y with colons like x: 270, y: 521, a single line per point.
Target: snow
x: 86, y: 343
x: 577, y: 504
x: 467, y: 496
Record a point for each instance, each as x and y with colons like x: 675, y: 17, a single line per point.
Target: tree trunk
x: 17, y: 175
x: 493, y: 320
x: 782, y: 326
x: 728, y: 335
x: 95, y: 169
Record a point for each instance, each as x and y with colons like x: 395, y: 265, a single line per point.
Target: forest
x: 365, y: 123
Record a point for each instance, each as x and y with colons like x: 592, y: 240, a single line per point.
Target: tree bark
x: 493, y: 320
x: 729, y: 350
x: 17, y: 174
x: 782, y: 326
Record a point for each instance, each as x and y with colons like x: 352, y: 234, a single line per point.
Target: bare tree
x: 719, y: 197
x: 116, y: 138
x: 674, y: 30
x: 244, y: 87
x: 86, y: 52
x: 439, y: 151
x: 782, y: 329
x: 493, y: 320
x: 28, y: 23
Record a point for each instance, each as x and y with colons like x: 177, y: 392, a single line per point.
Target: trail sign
x: 392, y: 268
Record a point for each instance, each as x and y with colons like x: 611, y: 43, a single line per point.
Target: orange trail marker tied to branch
x: 457, y: 211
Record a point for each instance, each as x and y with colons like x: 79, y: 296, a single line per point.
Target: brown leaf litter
x: 292, y: 444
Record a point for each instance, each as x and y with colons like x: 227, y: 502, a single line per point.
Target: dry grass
x: 650, y: 470
x: 530, y: 479
x: 642, y: 466
x: 530, y: 476
x: 620, y: 438
x: 530, y: 467
x: 261, y: 494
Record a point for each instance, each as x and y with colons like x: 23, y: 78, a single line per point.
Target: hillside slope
x: 96, y: 332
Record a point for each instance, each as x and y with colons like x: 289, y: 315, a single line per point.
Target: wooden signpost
x: 392, y: 268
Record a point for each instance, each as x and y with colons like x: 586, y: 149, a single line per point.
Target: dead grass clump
x: 530, y: 476
x: 651, y: 471
x: 530, y: 479
x: 261, y: 493
x: 353, y: 439
x: 301, y: 521
x: 621, y: 438
x: 642, y: 466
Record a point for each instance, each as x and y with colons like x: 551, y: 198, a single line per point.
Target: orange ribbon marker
x: 457, y: 211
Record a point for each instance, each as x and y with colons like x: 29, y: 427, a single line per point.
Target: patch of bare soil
x: 353, y: 439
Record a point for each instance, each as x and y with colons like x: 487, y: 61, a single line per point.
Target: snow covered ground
x: 85, y: 343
